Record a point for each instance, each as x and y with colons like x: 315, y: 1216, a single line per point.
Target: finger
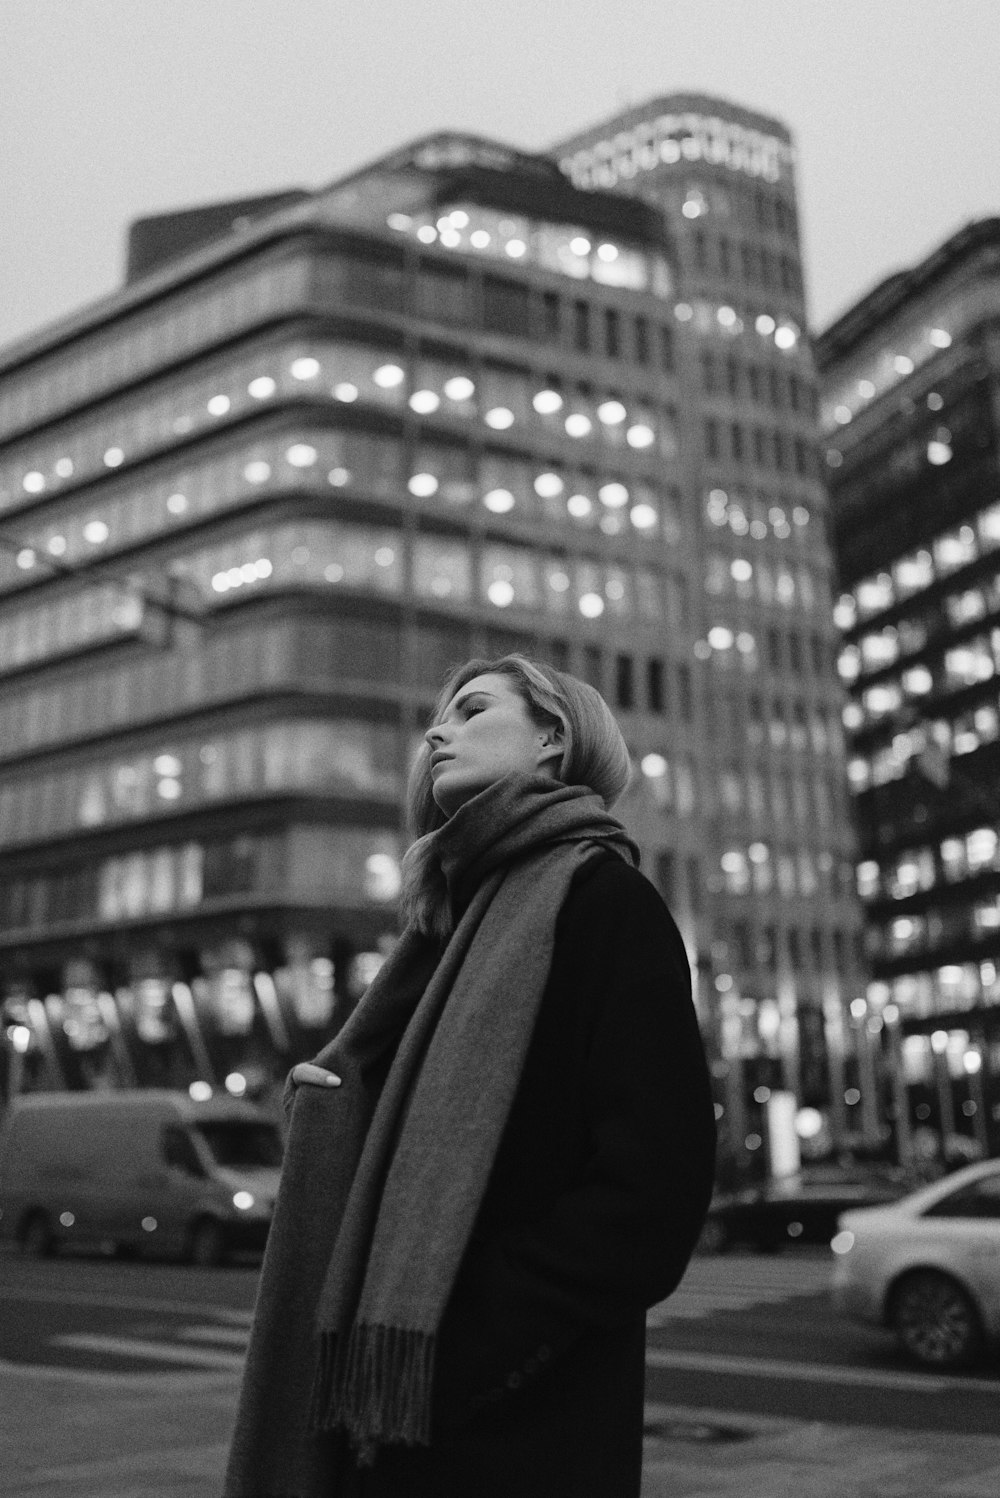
x: 316, y: 1076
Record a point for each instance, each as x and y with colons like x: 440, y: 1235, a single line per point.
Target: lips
x: 439, y: 757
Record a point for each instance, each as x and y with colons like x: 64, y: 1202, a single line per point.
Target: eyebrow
x: 478, y: 692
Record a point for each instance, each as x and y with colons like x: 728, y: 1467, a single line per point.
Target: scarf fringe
x: 376, y: 1386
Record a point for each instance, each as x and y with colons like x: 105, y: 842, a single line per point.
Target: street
x: 120, y: 1378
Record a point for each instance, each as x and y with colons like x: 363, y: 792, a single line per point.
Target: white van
x: 137, y: 1169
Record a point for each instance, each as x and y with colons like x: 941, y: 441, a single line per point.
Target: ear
x: 552, y: 743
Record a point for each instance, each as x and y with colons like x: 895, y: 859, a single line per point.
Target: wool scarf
x: 384, y: 1175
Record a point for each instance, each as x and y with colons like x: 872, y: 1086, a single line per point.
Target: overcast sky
x: 111, y: 109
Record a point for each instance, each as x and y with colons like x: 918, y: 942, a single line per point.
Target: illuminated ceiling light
x: 546, y: 402
x: 741, y: 570
x: 56, y: 546
x: 834, y: 457
x: 548, y: 485
x: 219, y: 405
x: 578, y: 425
x: 935, y: 402
x: 427, y: 234
x: 167, y: 764
x: 450, y: 239
x: 385, y: 556
x: 301, y: 455
x: 866, y: 389
x: 515, y: 248
x: 479, y: 239
x: 607, y: 252
x: 758, y: 853
x: 444, y: 222
x: 939, y: 338
x: 786, y: 337
x: 400, y: 222
x: 611, y: 413
x: 765, y: 325
x: 304, y: 369
x: 499, y: 418
x: 423, y: 485
x: 692, y: 208
x: 338, y: 477
x: 683, y: 312
x: 235, y: 576
x: 26, y: 559
x: 459, y: 218
x: 220, y: 582
x: 720, y: 638
x: 254, y: 473
x: 726, y: 316
x: 388, y: 376
x: 745, y: 643
x: 499, y: 501
x: 938, y: 453
x: 248, y: 572
x: 591, y: 605
x: 114, y: 457
x: 613, y: 495
x: 800, y: 515
x: 759, y: 530
x: 643, y: 517
x: 501, y: 593
x: 615, y: 589
x: 345, y: 392
x: 459, y: 388
x: 334, y: 573
x: 64, y: 468
x: 902, y: 364
x: 653, y: 765
x: 263, y: 568
x: 732, y: 862
x: 96, y: 532
x: 580, y: 245
x: 558, y: 582
x: 842, y: 414
x: 261, y: 388
x: 424, y: 401
x: 177, y: 503
x: 579, y: 506
x: 33, y: 483
x: 640, y: 436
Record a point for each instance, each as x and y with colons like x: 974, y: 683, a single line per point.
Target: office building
x: 911, y: 417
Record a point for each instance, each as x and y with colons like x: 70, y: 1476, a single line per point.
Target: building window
x: 708, y: 372
x: 666, y: 341
x: 506, y: 307
x: 612, y: 333
x: 684, y: 693
x: 732, y: 376
x: 655, y: 697
x: 625, y: 682
x: 550, y: 317
x: 581, y: 326
x: 712, y: 444
x: 640, y: 329
x: 736, y: 441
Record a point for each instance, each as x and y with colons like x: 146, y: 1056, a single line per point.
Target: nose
x: 435, y: 736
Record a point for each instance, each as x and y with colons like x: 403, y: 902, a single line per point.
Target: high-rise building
x: 911, y: 415
x: 781, y: 925
x: 322, y: 445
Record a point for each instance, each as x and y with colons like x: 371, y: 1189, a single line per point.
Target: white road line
x: 231, y: 1336
x: 124, y: 1302
x: 919, y: 1383
x: 163, y: 1352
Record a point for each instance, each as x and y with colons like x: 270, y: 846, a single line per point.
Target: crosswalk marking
x: 713, y: 1285
x: 228, y: 1336
x: 141, y: 1348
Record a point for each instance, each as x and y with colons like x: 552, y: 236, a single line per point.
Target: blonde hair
x: 594, y: 755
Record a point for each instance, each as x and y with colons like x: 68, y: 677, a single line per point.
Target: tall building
x: 780, y: 937
x: 911, y: 414
x: 254, y: 504
x: 321, y: 446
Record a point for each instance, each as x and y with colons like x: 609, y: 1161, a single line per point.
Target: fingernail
x: 333, y: 1081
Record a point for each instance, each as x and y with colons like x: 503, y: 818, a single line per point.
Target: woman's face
x: 486, y: 732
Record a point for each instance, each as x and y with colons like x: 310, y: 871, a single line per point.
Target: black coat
x: 594, y: 1204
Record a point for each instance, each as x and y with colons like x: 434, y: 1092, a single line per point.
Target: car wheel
x: 935, y: 1320
x: 37, y: 1238
x: 206, y: 1244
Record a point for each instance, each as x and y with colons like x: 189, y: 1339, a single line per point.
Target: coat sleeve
x: 620, y: 1239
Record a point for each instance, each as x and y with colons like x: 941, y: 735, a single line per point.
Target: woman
x: 506, y: 1154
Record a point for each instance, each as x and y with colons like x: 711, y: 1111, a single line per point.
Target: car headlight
x: 842, y: 1242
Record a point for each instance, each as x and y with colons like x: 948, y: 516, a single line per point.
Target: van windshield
x: 241, y: 1144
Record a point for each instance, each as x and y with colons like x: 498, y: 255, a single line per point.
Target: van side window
x: 177, y: 1148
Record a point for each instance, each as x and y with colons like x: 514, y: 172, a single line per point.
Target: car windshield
x: 241, y: 1144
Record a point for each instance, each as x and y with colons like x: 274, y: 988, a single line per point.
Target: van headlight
x: 843, y: 1242
x: 244, y: 1200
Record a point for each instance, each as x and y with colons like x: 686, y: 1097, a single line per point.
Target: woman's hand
x: 305, y: 1073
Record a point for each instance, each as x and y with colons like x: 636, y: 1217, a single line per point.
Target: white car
x: 928, y: 1266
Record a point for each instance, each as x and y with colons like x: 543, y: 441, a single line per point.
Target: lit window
x: 726, y: 316
x: 26, y: 559
x: 384, y: 556
x: 546, y: 402
x: 866, y: 389
x: 256, y: 473
x: 427, y: 234
x: 578, y: 425
x: 548, y: 485
x: 459, y: 218
x: 170, y: 790
x: 939, y: 338
x: 938, y: 453
x: 765, y: 325
x: 450, y: 239
x: 591, y: 605
x: 64, y: 468
x: 479, y: 239
x: 499, y: 418
x: 499, y: 501
x: 114, y: 457
x: 741, y: 570
x: 842, y: 414
x: 338, y: 477
x: 459, y: 388
x: 388, y: 376
x: 400, y: 222
x: 177, y: 503
x: 613, y: 495
x: 786, y: 337
x: 423, y: 485
x: 607, y: 252
x: 261, y: 388
x: 720, y: 638
x: 683, y: 312
x: 33, y: 483
x: 579, y: 506
x: 95, y: 532
x: 611, y: 413
x: 218, y: 405
x: 515, y: 248
x: 334, y: 573
x: 304, y: 369
x: 643, y: 517
x: 579, y: 245
x: 640, y: 436
x: 424, y: 401
x: 501, y: 593
x: 345, y: 392
x: 301, y: 455
x: 57, y: 546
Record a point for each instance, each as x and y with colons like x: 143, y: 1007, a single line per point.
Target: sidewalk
x: 165, y: 1437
